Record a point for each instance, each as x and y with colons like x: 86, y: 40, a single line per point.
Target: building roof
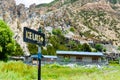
x: 47, y: 56
x: 44, y: 56
x: 80, y: 53
x: 34, y: 56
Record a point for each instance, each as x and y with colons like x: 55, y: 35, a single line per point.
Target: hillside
x: 91, y: 20
x: 97, y: 18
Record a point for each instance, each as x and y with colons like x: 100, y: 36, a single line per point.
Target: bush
x: 32, y: 48
x: 86, y: 47
x: 114, y: 62
x: 18, y: 51
x: 56, y: 31
x: 7, y: 44
x: 99, y: 47
x: 72, y: 29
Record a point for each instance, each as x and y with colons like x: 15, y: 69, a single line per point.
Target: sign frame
x: 34, y: 37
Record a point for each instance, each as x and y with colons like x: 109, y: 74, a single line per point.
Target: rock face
x: 98, y: 17
x: 21, y: 12
x: 98, y: 5
x: 14, y: 16
x: 7, y: 10
x: 18, y: 16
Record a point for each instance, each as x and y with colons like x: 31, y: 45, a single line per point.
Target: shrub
x: 18, y: 51
x: 7, y: 44
x: 99, y: 47
x: 72, y: 29
x: 32, y: 48
x: 114, y: 62
x: 86, y: 47
x: 56, y: 31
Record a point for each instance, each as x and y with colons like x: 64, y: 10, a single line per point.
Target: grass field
x: 20, y: 71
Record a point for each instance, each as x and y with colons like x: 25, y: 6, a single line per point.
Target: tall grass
x: 57, y: 72
x: 13, y: 70
x: 17, y: 71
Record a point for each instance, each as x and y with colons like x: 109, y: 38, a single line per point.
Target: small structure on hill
x: 80, y: 57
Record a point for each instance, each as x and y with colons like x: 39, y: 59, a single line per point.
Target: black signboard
x: 33, y: 37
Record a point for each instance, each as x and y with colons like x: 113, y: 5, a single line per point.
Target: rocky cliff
x: 96, y: 20
x: 15, y: 16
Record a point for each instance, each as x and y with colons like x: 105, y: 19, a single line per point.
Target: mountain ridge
x: 96, y: 20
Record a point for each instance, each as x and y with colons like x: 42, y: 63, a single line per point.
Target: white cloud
x: 29, y: 2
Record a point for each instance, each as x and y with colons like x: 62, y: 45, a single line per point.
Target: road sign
x: 34, y: 37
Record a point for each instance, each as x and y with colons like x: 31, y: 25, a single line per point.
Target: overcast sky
x: 29, y: 2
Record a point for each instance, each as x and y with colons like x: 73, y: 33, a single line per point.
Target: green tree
x: 72, y: 29
x: 99, y: 47
x: 104, y: 49
x: 32, y: 48
x: 51, y: 50
x: 57, y: 31
x: 44, y: 51
x: 86, y: 47
x: 62, y: 47
x: 7, y: 44
x: 18, y: 51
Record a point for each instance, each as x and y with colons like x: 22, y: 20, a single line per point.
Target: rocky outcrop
x: 101, y: 5
x: 14, y: 15
x: 7, y: 10
x: 32, y: 11
x: 21, y: 12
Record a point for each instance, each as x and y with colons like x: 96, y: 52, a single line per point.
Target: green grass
x: 80, y: 73
x: 20, y: 71
x: 17, y: 71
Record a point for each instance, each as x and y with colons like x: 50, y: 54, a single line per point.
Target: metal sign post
x: 39, y: 63
x: 35, y: 37
x: 39, y: 57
